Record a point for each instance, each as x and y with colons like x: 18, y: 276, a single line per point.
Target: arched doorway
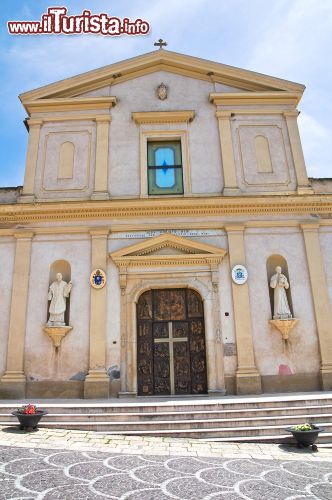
x: 171, y: 355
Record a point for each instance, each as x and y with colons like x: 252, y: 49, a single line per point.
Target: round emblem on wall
x: 98, y: 278
x: 239, y: 274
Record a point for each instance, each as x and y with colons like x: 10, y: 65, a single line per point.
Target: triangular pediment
x: 168, y: 249
x: 161, y: 60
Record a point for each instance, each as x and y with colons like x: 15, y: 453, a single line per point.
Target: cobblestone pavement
x: 60, y: 464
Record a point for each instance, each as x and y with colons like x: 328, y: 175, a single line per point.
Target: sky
x: 290, y: 39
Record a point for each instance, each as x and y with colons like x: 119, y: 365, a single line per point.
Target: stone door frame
x: 197, y: 267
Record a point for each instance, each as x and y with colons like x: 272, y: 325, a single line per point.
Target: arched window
x: 272, y: 262
x: 263, y: 156
x: 66, y: 160
x: 63, y: 267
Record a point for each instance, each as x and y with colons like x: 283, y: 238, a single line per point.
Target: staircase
x: 230, y: 418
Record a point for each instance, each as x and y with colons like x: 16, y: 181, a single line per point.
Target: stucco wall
x: 185, y: 93
x: 244, y: 130
x: 302, y: 354
x: 41, y: 360
x: 7, y: 256
x: 82, y: 134
x: 325, y: 238
x: 113, y: 321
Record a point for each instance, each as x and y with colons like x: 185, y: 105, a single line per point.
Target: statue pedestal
x: 56, y: 333
x: 285, y: 326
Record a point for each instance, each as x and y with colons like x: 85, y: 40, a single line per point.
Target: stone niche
x: 262, y: 154
x: 66, y: 165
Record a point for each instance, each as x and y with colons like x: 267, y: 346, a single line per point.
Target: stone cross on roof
x: 160, y: 43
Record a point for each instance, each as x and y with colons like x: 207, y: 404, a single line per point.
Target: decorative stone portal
x: 170, y: 264
x: 170, y: 343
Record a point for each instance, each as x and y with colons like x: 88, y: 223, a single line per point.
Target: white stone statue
x: 280, y: 284
x: 58, y: 292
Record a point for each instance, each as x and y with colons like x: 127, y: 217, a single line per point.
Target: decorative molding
x: 140, y: 254
x: 285, y: 326
x: 163, y: 116
x: 153, y: 208
x: 233, y: 112
x: 259, y: 98
x: 78, y: 133
x: 272, y: 175
x: 68, y: 104
x: 56, y: 333
x: 23, y: 235
x: 138, y: 230
x: 156, y: 61
x: 71, y: 117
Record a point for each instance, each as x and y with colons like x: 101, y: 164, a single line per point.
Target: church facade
x: 167, y: 239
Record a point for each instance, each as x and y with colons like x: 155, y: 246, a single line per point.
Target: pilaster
x: 13, y: 382
x: 303, y: 186
x: 227, y: 154
x: 96, y: 383
x: 320, y: 299
x: 31, y: 161
x: 101, y: 169
x: 248, y: 380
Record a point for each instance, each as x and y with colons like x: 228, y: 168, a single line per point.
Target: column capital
x: 23, y: 235
x: 35, y: 122
x: 225, y: 115
x: 99, y: 233
x: 234, y: 228
x: 291, y: 113
x: 103, y: 119
x: 310, y: 226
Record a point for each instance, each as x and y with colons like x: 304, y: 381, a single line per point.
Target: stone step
x: 171, y: 410
x: 164, y: 427
x: 157, y: 420
x: 171, y: 404
x: 230, y: 418
x: 92, y: 414
x: 231, y: 433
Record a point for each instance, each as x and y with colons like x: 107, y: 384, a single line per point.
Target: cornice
x: 168, y: 240
x: 163, y: 116
x: 259, y: 98
x: 160, y: 208
x: 168, y: 260
x: 152, y: 61
x: 195, y: 253
x: 69, y: 104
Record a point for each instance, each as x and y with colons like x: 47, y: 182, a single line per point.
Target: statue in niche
x: 58, y: 292
x: 280, y: 284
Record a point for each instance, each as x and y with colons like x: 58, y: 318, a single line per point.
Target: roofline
x: 211, y: 70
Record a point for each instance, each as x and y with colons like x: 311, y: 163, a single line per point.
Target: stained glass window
x: 165, y: 167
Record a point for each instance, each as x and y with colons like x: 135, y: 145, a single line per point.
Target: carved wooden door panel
x: 171, y: 343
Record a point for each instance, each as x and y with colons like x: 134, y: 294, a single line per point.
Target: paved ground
x: 59, y: 464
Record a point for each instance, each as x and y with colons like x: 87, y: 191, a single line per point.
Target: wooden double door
x: 171, y: 356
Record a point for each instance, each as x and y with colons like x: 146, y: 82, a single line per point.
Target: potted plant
x: 29, y: 416
x: 305, y: 434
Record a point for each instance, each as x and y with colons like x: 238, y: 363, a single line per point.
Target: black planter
x: 29, y: 422
x: 306, y: 438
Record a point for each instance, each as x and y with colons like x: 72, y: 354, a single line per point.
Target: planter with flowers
x: 305, y: 434
x: 29, y: 416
